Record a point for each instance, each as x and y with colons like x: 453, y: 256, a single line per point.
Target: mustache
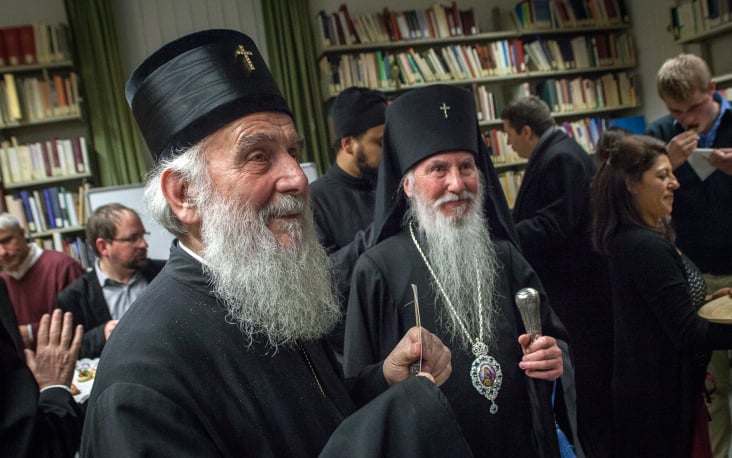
x: 452, y: 197
x: 284, y: 206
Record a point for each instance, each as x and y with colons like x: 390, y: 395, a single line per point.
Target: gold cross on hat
x: 444, y: 109
x: 246, y: 57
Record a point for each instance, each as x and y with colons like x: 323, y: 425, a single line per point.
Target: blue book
x: 635, y: 124
x: 50, y: 215
x: 24, y: 197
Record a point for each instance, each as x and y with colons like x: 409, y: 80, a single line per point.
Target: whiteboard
x: 132, y: 196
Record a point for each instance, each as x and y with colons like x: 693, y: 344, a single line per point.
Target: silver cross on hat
x: 444, y: 109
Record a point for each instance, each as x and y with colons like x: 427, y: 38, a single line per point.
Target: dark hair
x: 613, y: 206
x: 607, y: 140
x: 103, y: 223
x: 528, y: 111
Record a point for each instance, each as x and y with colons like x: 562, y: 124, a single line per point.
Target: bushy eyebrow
x: 252, y: 140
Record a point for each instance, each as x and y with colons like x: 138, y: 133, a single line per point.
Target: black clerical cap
x: 195, y: 85
x: 421, y: 123
x: 356, y: 110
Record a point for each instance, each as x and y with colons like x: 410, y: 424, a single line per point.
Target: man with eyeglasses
x: 122, y: 271
x: 34, y: 276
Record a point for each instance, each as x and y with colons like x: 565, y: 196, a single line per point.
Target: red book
x: 521, y: 60
x: 3, y: 55
x: 338, y: 27
x: 46, y: 159
x: 349, y: 23
x: 79, y: 164
x: 11, y: 37
x: 27, y: 44
x: 431, y: 22
x: 456, y: 19
x: 393, y: 26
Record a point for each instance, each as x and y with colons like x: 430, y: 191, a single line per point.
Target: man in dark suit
x: 122, y: 271
x: 552, y: 219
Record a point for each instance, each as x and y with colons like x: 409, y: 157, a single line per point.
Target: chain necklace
x: 312, y: 369
x: 485, y: 371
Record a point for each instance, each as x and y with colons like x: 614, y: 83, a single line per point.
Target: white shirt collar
x: 190, y: 252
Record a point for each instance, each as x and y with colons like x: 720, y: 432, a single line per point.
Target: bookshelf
x: 45, y: 160
x: 582, y: 65
x: 705, y: 27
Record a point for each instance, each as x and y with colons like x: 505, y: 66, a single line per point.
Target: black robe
x: 177, y: 379
x: 343, y: 210
x: 44, y: 424
x: 342, y: 206
x: 380, y: 311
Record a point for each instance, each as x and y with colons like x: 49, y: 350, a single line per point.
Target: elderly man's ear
x: 175, y: 190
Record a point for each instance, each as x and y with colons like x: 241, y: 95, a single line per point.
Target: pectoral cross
x: 444, y: 109
x: 246, y: 56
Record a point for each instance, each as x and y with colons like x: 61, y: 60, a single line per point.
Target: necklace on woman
x: 485, y: 371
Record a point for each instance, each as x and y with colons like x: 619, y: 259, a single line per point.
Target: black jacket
x: 85, y: 299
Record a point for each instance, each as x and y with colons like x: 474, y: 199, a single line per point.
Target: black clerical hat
x: 356, y: 110
x: 424, y: 122
x: 196, y: 84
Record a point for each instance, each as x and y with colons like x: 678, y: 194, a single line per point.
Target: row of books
x: 340, y: 28
x: 55, y: 157
x: 385, y: 70
x: 584, y: 51
x: 75, y: 246
x: 585, y: 131
x: 42, y: 210
x: 563, y: 96
x: 610, y: 90
x: 531, y: 15
x: 37, y: 43
x: 693, y: 17
x: 39, y: 97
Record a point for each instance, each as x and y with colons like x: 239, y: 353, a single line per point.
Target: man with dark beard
x: 223, y: 354
x: 437, y: 196
x: 343, y: 198
x: 122, y: 271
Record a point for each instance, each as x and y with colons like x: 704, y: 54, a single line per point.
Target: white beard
x: 280, y: 293
x: 461, y: 253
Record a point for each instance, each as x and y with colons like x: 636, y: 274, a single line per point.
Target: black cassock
x: 380, y: 310
x: 44, y: 424
x: 178, y: 379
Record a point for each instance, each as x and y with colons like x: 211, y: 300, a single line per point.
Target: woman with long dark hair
x: 661, y: 345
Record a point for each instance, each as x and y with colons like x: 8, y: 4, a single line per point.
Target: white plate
x: 84, y: 387
x: 718, y: 311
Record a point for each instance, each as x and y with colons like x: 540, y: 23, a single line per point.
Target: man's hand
x: 722, y: 159
x: 719, y: 293
x: 542, y: 359
x: 436, y: 358
x: 681, y: 146
x: 54, y: 360
x: 109, y: 327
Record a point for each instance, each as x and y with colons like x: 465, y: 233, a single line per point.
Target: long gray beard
x: 461, y: 253
x: 280, y: 293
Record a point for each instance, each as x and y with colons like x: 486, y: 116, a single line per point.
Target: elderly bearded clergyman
x: 436, y: 198
x: 223, y: 354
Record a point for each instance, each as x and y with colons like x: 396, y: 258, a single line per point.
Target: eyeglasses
x: 134, y: 238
